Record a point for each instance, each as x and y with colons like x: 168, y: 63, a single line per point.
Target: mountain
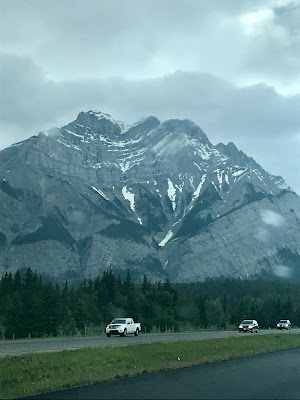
x: 154, y: 197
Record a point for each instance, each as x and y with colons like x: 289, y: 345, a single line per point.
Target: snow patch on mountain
x: 74, y: 134
x: 128, y: 196
x: 202, y: 150
x: 170, y: 145
x: 127, y: 162
x: 238, y: 173
x: 198, y: 190
x: 100, y: 192
x: 279, y: 182
x: 215, y: 186
x: 219, y: 176
x: 172, y: 193
x: 166, y: 239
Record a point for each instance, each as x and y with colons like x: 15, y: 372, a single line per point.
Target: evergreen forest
x: 30, y: 307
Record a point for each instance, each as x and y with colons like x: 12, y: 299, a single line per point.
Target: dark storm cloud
x: 262, y: 122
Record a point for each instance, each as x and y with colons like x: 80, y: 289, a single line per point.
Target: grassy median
x: 41, y: 373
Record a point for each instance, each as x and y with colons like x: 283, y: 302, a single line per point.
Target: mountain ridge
x: 99, y: 194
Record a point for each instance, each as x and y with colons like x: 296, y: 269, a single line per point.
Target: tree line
x: 30, y: 307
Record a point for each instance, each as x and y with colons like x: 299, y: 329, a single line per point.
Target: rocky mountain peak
x: 98, y: 122
x: 153, y: 197
x: 142, y: 127
x: 184, y: 127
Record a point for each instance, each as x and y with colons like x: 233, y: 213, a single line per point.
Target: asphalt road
x: 29, y: 346
x: 265, y: 376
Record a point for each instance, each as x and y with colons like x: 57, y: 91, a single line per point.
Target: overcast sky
x: 232, y: 66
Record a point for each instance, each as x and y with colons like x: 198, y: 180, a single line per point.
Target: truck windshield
x: 118, y: 321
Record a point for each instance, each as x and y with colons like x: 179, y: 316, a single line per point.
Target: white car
x: 249, y: 325
x: 122, y: 327
x: 284, y: 324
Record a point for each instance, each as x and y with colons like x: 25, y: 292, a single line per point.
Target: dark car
x: 249, y: 325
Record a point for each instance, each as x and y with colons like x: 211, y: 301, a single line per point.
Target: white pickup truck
x: 122, y: 327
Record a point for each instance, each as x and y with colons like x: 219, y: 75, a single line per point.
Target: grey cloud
x: 272, y: 49
x: 286, y: 7
x: 260, y: 121
x: 107, y: 37
x: 271, y: 218
x: 142, y: 38
x: 282, y: 271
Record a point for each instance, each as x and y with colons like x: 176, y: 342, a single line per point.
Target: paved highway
x: 29, y: 346
x: 265, y: 376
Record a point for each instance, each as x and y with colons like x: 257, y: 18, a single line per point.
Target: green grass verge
x: 41, y: 373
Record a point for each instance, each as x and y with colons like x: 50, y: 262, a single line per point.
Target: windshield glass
x: 283, y: 321
x: 118, y: 321
x: 247, y: 321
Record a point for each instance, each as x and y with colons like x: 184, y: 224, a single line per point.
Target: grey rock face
x: 157, y: 198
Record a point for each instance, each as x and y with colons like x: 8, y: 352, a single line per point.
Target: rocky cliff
x: 155, y: 197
